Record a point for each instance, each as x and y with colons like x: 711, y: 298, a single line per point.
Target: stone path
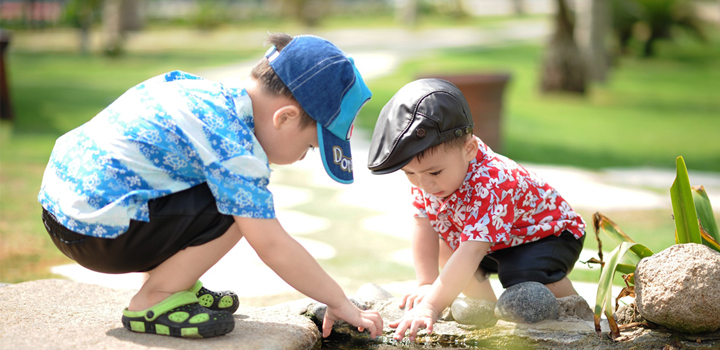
x: 61, y: 314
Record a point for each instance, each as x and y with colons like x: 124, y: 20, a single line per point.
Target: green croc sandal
x: 221, y: 301
x: 180, y: 315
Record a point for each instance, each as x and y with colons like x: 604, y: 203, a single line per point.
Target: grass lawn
x: 649, y: 112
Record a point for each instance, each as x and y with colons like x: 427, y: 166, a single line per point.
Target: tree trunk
x: 84, y: 39
x: 518, y: 7
x: 406, y: 12
x: 309, y: 12
x: 6, y: 111
x: 29, y: 14
x: 649, y: 46
x: 563, y: 66
x: 113, y: 44
x: 132, y: 15
x: 591, y: 34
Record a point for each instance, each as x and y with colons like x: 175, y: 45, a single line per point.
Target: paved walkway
x: 642, y: 188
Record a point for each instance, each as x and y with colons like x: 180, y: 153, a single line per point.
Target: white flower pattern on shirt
x: 167, y: 134
x: 499, y: 202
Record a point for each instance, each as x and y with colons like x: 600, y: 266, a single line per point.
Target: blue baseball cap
x: 330, y: 89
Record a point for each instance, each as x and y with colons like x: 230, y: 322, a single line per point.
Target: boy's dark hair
x: 271, y: 82
x: 456, y: 142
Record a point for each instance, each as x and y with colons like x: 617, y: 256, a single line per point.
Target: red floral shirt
x: 499, y: 202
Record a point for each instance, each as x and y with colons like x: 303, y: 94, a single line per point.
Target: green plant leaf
x: 686, y: 220
x: 625, y: 268
x: 707, y: 218
x: 603, y: 301
x: 603, y: 224
x: 709, y: 240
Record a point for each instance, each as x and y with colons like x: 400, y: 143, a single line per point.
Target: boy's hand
x: 419, y: 317
x: 362, y: 319
x: 413, y: 299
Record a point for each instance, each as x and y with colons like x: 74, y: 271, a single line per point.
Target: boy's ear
x: 285, y: 114
x: 471, y: 148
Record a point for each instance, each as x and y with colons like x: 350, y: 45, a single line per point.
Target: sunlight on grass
x: 26, y: 251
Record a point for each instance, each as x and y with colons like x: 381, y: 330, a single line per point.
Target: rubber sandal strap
x: 175, y: 300
x: 196, y: 288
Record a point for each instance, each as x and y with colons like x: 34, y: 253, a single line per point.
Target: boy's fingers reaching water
x: 400, y: 332
x: 327, y: 326
x: 374, y: 324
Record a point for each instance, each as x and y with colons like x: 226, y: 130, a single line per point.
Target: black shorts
x: 177, y: 221
x: 547, y: 260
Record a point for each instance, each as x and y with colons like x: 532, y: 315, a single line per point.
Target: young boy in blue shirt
x: 490, y: 214
x: 170, y: 176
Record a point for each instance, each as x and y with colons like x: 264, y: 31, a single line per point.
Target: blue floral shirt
x: 163, y: 136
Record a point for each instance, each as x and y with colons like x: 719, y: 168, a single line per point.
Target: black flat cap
x: 421, y: 115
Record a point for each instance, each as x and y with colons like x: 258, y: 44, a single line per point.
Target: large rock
x: 61, y: 314
x: 527, y: 302
x: 679, y: 288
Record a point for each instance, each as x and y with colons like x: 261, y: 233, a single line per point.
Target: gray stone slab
x: 61, y: 314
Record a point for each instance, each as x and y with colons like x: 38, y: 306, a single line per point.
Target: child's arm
x: 454, y: 277
x: 425, y: 256
x: 297, y: 267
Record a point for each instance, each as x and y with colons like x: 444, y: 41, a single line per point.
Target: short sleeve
x: 240, y: 187
x: 418, y: 203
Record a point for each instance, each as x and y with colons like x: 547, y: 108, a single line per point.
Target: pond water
x: 340, y: 342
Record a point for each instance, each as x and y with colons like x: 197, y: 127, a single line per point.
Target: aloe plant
x: 694, y: 223
x: 708, y: 227
x: 603, y: 300
x: 687, y: 229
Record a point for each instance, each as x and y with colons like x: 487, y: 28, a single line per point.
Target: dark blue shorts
x: 177, y: 221
x: 547, y: 260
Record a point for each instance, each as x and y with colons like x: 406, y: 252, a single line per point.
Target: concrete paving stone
x: 62, y: 314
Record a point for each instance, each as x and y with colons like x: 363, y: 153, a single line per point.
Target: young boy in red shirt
x: 490, y: 214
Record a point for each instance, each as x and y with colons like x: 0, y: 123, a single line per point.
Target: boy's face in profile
x: 443, y: 170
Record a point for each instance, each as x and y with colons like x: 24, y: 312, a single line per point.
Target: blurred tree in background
x: 119, y: 17
x: 563, y: 67
x: 650, y: 20
x: 83, y: 14
x: 209, y: 14
x: 309, y: 12
x: 592, y: 35
x: 573, y: 57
